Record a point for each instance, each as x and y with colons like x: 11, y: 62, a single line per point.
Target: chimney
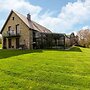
x: 29, y: 16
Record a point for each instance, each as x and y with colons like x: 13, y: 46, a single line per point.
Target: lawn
x: 0, y: 45
x: 45, y: 69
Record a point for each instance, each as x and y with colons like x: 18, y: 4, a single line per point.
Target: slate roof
x: 31, y: 24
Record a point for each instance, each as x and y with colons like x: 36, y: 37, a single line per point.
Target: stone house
x: 18, y: 31
x: 21, y: 32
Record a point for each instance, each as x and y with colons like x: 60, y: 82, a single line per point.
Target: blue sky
x: 62, y: 16
x: 53, y: 5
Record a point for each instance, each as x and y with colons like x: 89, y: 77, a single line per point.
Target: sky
x: 60, y: 16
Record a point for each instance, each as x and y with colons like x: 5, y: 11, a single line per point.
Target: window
x: 9, y: 29
x: 17, y: 29
x: 12, y: 18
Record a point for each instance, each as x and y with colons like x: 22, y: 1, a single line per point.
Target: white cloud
x: 69, y: 16
x: 72, y: 14
x: 20, y: 5
x: 85, y: 27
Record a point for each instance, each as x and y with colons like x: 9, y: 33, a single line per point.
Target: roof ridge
x: 35, y: 24
x: 30, y: 24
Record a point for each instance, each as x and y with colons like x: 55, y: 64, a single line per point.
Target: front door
x: 9, y: 43
x: 17, y: 42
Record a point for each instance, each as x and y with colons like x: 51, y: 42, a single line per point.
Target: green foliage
x: 0, y: 40
x: 45, y: 69
x: 0, y: 45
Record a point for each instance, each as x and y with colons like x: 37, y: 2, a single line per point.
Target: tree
x: 0, y: 39
x: 84, y: 37
x: 73, y: 39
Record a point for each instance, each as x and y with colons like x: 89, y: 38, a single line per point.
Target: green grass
x: 0, y: 45
x: 45, y: 69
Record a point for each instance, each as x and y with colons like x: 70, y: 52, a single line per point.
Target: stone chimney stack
x: 29, y: 16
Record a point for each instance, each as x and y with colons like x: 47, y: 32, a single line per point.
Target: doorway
x: 4, y: 43
x: 17, y: 42
x: 9, y: 43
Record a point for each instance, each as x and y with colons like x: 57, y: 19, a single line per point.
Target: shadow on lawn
x: 74, y: 49
x: 10, y: 53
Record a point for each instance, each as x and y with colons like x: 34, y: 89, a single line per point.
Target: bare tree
x: 84, y: 37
